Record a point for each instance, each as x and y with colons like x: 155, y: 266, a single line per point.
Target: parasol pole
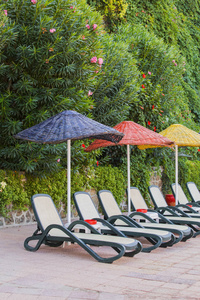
x: 129, y: 179
x: 176, y: 173
x: 68, y: 181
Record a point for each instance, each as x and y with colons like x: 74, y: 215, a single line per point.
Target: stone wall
x: 156, y: 177
x: 16, y: 218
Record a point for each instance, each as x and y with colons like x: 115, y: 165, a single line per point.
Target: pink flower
x: 93, y: 60
x: 100, y: 61
x: 52, y: 30
x: 149, y: 73
x: 5, y: 12
x: 58, y: 160
x: 94, y: 26
x: 175, y: 64
x: 83, y: 37
x: 34, y: 1
x: 96, y: 72
x: 90, y: 93
x: 87, y: 26
x: 173, y: 61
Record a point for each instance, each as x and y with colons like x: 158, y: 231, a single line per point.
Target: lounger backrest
x: 193, y: 191
x: 108, y: 204
x: 85, y: 206
x: 156, y: 196
x: 182, y: 199
x: 137, y: 200
x: 45, y: 212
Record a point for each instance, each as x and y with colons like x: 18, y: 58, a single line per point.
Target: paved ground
x: 70, y: 273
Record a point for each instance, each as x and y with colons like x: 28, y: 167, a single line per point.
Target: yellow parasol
x: 182, y: 136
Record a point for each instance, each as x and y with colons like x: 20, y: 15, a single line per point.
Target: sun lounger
x: 87, y: 210
x: 192, y: 209
x: 130, y: 227
x: 174, y: 214
x: 52, y: 232
x: 194, y: 192
x: 147, y: 218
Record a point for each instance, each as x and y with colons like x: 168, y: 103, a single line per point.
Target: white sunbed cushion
x: 182, y: 199
x: 110, y: 204
x: 47, y: 213
x: 184, y: 219
x: 86, y: 206
x: 158, y: 197
x: 127, y: 242
x: 137, y: 199
x: 194, y: 191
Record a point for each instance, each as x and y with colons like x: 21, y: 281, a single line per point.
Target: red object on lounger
x: 91, y: 222
x: 142, y: 210
x: 170, y: 200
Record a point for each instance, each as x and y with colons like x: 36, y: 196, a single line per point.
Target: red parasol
x: 134, y: 134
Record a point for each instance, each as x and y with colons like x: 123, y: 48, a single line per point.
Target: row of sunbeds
x: 163, y: 227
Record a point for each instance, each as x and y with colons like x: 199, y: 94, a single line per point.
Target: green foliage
x: 112, y: 10
x: 110, y: 178
x: 177, y: 23
x: 188, y: 165
x: 12, y: 193
x: 45, y: 68
x: 54, y: 185
x: 16, y: 189
x: 160, y: 17
x: 117, y: 84
x: 192, y: 172
x: 162, y: 68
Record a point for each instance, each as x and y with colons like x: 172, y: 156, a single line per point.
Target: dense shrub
x: 116, y: 91
x: 45, y: 68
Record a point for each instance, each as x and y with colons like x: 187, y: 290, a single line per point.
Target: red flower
x: 143, y: 75
x: 198, y: 150
x: 141, y: 107
x: 163, y: 94
x: 83, y: 145
x: 160, y: 114
x: 97, y: 163
x: 152, y: 106
x: 149, y: 123
x: 154, y: 128
x: 143, y: 86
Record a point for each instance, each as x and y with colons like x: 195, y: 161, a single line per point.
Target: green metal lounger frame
x: 131, y: 228
x: 191, y: 208
x: 173, y: 213
x: 52, y: 232
x: 137, y: 202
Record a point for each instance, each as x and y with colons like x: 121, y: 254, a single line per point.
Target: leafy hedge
x: 16, y: 190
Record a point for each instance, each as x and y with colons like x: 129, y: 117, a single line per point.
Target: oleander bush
x: 45, y: 68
